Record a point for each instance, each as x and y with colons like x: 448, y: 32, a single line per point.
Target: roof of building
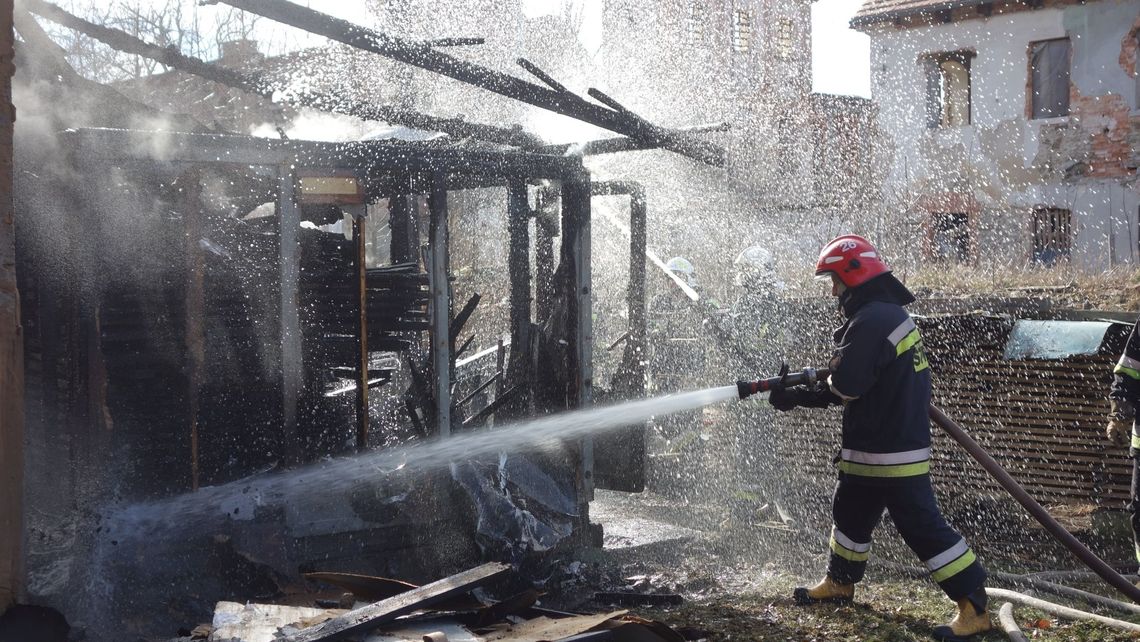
x: 874, y: 11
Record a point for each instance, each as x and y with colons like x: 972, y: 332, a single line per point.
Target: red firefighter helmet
x: 853, y: 259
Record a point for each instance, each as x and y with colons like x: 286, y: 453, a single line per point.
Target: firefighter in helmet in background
x: 880, y: 374
x: 757, y: 314
x: 1122, y: 429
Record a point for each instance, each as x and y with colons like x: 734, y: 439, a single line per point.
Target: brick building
x: 1013, y: 127
x: 747, y: 63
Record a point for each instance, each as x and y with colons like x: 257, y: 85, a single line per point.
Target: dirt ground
x: 736, y: 576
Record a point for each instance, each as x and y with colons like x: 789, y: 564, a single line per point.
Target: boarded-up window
x: 948, y: 89
x: 1052, y: 235
x: 742, y: 31
x: 1049, y: 62
x: 950, y: 239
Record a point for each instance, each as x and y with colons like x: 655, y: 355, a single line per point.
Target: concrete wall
x: 1002, y: 165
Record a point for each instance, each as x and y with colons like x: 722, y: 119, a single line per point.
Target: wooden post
x: 545, y: 228
x: 288, y: 224
x: 638, y: 327
x: 440, y: 303
x: 576, y: 237
x: 518, y: 269
x: 191, y: 209
x: 358, y: 231
x: 11, y: 344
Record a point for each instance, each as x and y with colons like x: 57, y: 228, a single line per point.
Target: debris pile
x: 453, y: 609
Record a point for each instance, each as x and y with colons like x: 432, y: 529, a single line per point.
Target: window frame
x: 936, y: 81
x: 957, y: 225
x: 1061, y: 228
x: 743, y: 31
x: 1031, y: 85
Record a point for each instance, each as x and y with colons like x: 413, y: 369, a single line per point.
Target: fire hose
x: 811, y: 376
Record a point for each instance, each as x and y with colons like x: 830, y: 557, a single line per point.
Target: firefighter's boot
x: 971, y: 619
x: 828, y: 590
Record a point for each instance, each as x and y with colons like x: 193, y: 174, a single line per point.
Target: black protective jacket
x: 879, y: 368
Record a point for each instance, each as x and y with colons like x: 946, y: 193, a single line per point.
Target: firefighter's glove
x: 817, y: 397
x: 1119, y: 430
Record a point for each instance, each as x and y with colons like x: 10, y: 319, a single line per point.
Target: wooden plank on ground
x: 387, y: 610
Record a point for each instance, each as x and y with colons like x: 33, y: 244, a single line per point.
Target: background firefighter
x: 1122, y: 428
x: 879, y: 372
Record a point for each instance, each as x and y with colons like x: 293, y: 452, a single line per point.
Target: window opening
x: 948, y: 89
x: 1049, y: 62
x: 742, y: 31
x: 1136, y: 69
x: 1052, y: 235
x: 785, y: 38
x: 696, y: 21
x: 951, y: 237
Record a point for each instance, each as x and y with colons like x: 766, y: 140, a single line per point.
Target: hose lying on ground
x: 1061, y: 611
x: 919, y: 573
x: 1067, y: 591
x: 1036, y: 510
x: 1074, y: 576
x: 1009, y: 625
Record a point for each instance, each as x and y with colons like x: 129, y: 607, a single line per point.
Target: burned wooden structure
x: 200, y: 306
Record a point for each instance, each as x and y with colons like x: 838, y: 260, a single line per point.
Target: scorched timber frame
x: 387, y: 169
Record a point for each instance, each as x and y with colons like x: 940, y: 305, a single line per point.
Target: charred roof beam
x: 621, y: 143
x: 257, y: 84
x: 425, y: 57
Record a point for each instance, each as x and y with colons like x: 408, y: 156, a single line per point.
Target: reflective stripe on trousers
x: 950, y: 562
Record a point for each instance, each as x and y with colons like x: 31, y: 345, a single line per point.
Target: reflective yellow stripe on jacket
x: 1128, y: 366
x: 906, y: 337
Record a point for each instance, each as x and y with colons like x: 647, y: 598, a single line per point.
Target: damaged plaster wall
x: 1003, y: 165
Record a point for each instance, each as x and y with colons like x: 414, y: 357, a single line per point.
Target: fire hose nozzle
x: 805, y: 377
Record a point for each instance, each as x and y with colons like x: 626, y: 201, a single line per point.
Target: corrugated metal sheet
x: 1042, y: 419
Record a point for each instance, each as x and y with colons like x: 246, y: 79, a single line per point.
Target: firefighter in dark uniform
x: 880, y: 374
x: 1122, y: 420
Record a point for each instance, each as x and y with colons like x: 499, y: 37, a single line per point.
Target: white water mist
x: 241, y: 498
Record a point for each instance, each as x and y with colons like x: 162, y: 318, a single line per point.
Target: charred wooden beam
x: 463, y: 348
x: 464, y: 315
x: 373, y: 615
x: 483, y: 386
x: 481, y: 417
x: 518, y: 268
x: 289, y: 274
x: 419, y: 55
x: 440, y: 305
x: 535, y: 71
x: 545, y: 229
x: 191, y: 209
x: 576, y: 245
x: 576, y: 239
x: 11, y: 342
x: 257, y: 84
x: 373, y: 156
x: 358, y: 231
x: 622, y: 143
